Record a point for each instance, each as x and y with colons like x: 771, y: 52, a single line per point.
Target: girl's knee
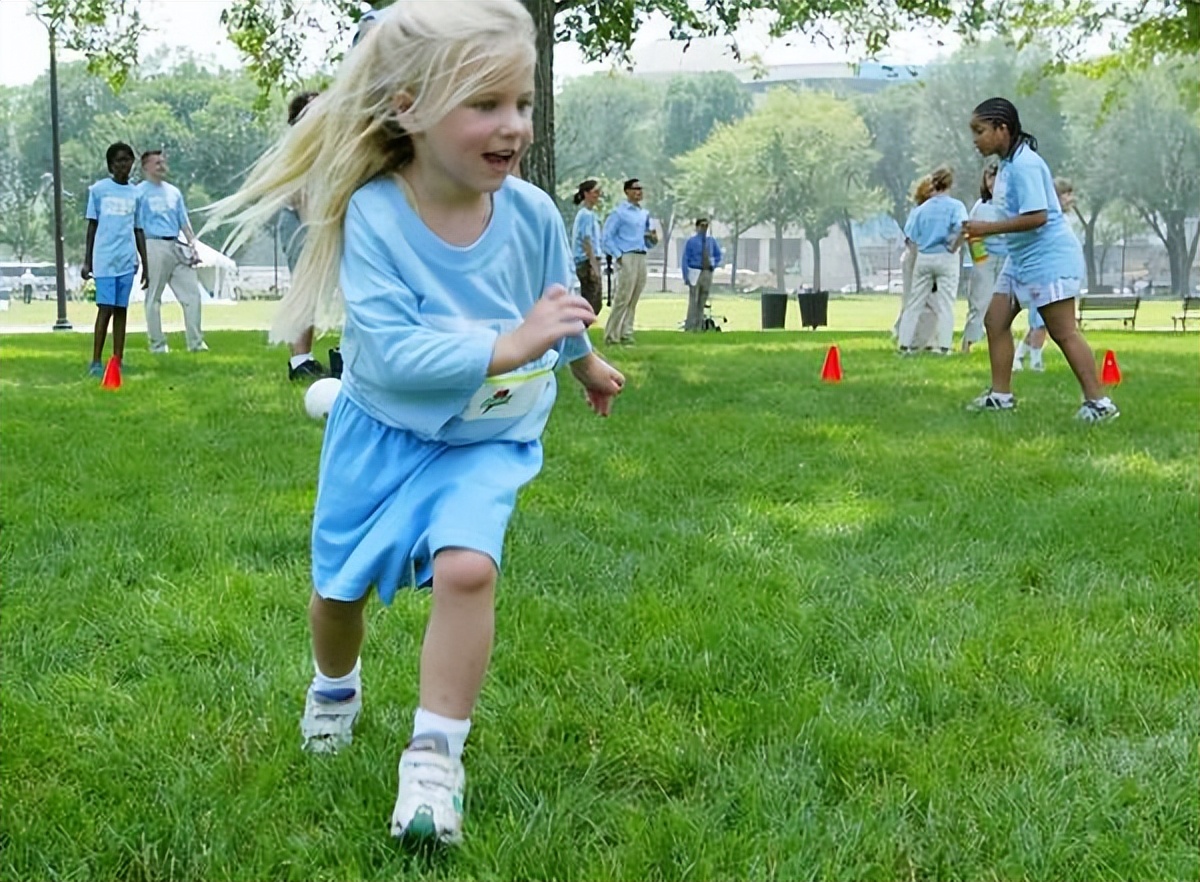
x: 461, y: 569
x: 325, y: 608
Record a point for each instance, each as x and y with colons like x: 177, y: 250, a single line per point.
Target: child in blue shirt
x: 935, y: 229
x: 114, y: 243
x: 1044, y: 263
x: 455, y: 276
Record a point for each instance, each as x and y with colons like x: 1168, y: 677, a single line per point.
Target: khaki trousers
x: 631, y: 279
x: 164, y: 266
x: 979, y: 296
x: 928, y: 269
x: 697, y: 297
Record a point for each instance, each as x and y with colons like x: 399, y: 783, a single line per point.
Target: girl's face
x: 990, y: 139
x: 480, y: 142
x: 1066, y: 200
x: 591, y: 197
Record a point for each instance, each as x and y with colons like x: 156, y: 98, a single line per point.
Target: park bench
x: 1191, y: 310
x: 1111, y: 308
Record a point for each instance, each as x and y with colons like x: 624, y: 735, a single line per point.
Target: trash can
x: 814, y: 308
x: 774, y: 308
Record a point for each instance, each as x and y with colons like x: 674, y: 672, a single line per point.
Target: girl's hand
x: 977, y: 229
x: 556, y: 315
x: 600, y: 380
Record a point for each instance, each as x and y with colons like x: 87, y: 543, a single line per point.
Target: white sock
x: 1035, y: 355
x: 1003, y: 396
x: 456, y: 731
x: 1021, y: 350
x: 353, y: 680
x: 1103, y: 400
x: 297, y: 360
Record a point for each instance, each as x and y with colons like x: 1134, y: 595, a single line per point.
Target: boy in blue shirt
x: 114, y: 244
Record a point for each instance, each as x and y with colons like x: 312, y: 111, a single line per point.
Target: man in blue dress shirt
x: 700, y: 254
x: 627, y: 237
x: 163, y: 216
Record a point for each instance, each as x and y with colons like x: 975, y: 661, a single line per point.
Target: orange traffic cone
x: 1110, y: 374
x: 831, y: 371
x: 112, y: 374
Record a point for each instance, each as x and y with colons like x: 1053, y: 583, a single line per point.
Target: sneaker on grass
x: 1097, y: 411
x: 990, y: 400
x: 307, y: 370
x: 429, y: 804
x: 328, y: 722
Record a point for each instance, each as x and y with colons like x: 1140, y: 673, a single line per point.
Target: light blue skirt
x: 387, y: 502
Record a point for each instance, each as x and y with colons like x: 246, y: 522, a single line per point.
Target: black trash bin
x: 774, y: 308
x: 814, y: 308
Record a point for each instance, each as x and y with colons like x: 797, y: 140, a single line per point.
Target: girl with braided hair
x: 1042, y: 269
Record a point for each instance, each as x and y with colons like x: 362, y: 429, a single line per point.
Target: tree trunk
x: 1089, y: 247
x: 667, y: 226
x: 816, y: 247
x: 733, y: 251
x: 847, y: 226
x: 1177, y: 252
x: 780, y: 281
x: 538, y: 165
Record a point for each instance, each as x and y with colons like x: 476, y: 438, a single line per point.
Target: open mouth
x: 500, y: 160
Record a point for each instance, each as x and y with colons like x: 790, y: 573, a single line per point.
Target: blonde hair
x: 941, y: 178
x: 923, y: 191
x: 419, y: 62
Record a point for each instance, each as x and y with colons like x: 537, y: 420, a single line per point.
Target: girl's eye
x: 485, y: 105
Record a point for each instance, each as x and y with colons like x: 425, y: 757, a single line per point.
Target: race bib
x: 509, y: 396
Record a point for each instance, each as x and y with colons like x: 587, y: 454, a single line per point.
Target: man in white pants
x: 162, y: 215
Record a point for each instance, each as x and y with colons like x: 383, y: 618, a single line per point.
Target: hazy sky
x: 195, y: 25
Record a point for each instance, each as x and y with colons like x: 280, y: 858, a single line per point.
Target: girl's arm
x: 976, y: 229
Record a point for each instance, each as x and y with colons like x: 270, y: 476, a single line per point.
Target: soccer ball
x: 319, y: 398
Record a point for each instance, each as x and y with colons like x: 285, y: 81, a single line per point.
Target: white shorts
x: 1030, y: 295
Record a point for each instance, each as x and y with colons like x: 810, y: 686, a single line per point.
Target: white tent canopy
x: 217, y: 273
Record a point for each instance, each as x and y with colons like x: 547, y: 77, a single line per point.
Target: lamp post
x: 60, y: 271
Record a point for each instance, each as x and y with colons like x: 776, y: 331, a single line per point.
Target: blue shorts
x: 1032, y: 295
x: 114, y: 290
x: 388, y: 501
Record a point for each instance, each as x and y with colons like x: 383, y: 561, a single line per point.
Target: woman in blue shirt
x: 585, y: 243
x: 935, y: 229
x: 1043, y: 268
x: 986, y: 267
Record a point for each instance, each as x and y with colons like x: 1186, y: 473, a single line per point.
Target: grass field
x: 751, y: 627
x: 657, y: 311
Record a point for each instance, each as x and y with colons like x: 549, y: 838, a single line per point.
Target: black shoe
x: 308, y: 370
x: 335, y: 363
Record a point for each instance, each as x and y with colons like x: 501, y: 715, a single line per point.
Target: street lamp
x: 60, y: 277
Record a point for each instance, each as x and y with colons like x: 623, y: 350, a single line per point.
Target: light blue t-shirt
x: 585, y: 227
x: 625, y: 229
x: 990, y: 211
x: 114, y: 208
x: 422, y: 316
x: 935, y: 224
x: 1049, y: 252
x: 161, y: 211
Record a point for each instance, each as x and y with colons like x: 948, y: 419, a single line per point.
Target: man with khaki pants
x: 627, y: 236
x: 162, y: 215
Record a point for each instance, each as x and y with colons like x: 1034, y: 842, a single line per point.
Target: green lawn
x: 751, y: 627
x: 657, y: 311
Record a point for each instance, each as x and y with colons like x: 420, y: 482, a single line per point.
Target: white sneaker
x: 1101, y: 411
x: 429, y: 804
x: 162, y: 349
x: 328, y: 722
x: 1018, y: 365
x: 1039, y: 365
x: 989, y: 400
